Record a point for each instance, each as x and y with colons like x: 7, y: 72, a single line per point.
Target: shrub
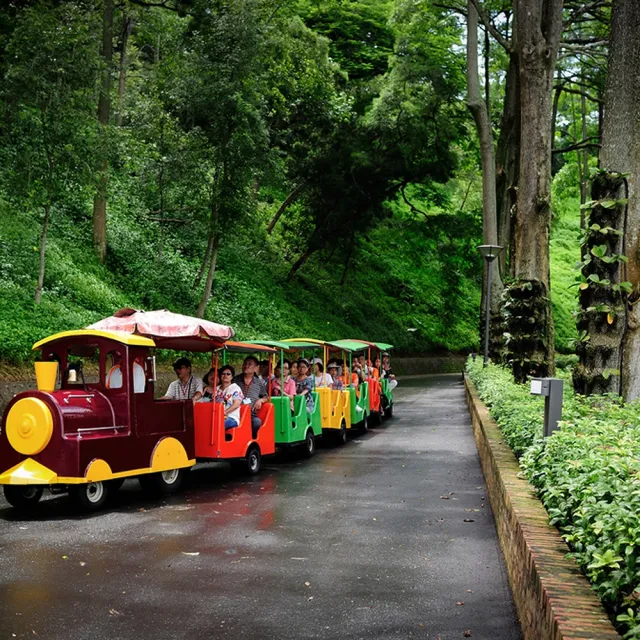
x: 587, y: 475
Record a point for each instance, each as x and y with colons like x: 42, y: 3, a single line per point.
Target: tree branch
x: 583, y: 144
x: 413, y: 208
x: 451, y: 7
x: 499, y: 38
x: 588, y: 96
x: 163, y: 4
x: 585, y: 8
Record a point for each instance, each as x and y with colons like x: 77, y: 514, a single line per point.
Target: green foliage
x: 586, y: 475
x: 564, y: 255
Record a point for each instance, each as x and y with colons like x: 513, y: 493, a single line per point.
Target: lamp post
x: 489, y: 252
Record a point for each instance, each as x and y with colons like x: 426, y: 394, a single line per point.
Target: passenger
x: 186, y: 387
x: 364, y: 367
x: 377, y: 368
x: 254, y: 390
x: 208, y: 391
x: 264, y: 371
x: 293, y: 370
x: 322, y: 379
x: 357, y: 378
x: 304, y: 383
x: 337, y: 384
x: 289, y: 383
x: 229, y: 394
x: 373, y: 371
x: 387, y: 373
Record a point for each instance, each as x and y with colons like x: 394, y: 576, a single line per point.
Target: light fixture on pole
x: 489, y: 252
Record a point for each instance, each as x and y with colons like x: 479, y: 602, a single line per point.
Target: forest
x: 305, y: 167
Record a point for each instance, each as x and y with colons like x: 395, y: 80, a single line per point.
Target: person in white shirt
x: 186, y: 387
x: 229, y: 394
x: 322, y: 379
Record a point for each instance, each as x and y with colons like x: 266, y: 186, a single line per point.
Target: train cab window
x: 82, y: 365
x: 113, y: 370
x: 139, y: 376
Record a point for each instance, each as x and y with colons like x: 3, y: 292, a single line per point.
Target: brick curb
x: 553, y: 599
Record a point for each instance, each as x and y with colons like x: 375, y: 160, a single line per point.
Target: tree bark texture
x: 621, y: 153
x: 538, y: 27
x: 479, y: 110
x: 104, y: 107
x: 508, y: 162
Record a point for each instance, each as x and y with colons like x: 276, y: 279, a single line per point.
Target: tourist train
x: 85, y: 434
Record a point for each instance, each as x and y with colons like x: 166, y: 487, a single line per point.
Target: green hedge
x: 587, y: 475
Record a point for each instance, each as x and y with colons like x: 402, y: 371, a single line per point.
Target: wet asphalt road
x: 387, y: 537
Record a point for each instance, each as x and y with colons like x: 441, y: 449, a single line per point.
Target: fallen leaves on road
x: 468, y: 520
x: 191, y: 553
x: 459, y: 603
x: 467, y: 633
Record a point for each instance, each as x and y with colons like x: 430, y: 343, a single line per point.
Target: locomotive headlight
x: 29, y: 426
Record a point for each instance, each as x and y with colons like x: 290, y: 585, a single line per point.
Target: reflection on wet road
x: 387, y: 537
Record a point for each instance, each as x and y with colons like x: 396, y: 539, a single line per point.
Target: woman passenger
x: 337, y: 384
x: 207, y: 384
x: 304, y: 383
x: 289, y: 388
x: 229, y: 394
x: 322, y: 379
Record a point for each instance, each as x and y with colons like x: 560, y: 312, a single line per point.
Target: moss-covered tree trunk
x: 602, y: 317
x: 530, y: 325
x: 609, y: 317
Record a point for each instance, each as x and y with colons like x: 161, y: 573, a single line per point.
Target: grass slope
x: 403, y: 276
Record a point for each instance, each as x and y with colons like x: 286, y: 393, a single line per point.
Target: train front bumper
x: 29, y: 472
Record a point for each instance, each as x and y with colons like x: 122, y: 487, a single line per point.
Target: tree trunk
x: 289, y: 200
x: 584, y: 184
x: 43, y: 249
x: 480, y: 112
x: 538, y: 26
x: 601, y: 319
x: 299, y: 263
x: 508, y: 162
x: 620, y: 153
x: 352, y: 243
x: 205, y: 261
x: 127, y: 26
x: 206, y: 294
x: 487, y: 64
x: 104, y: 105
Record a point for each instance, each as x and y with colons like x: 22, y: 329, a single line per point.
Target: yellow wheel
x: 29, y: 426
